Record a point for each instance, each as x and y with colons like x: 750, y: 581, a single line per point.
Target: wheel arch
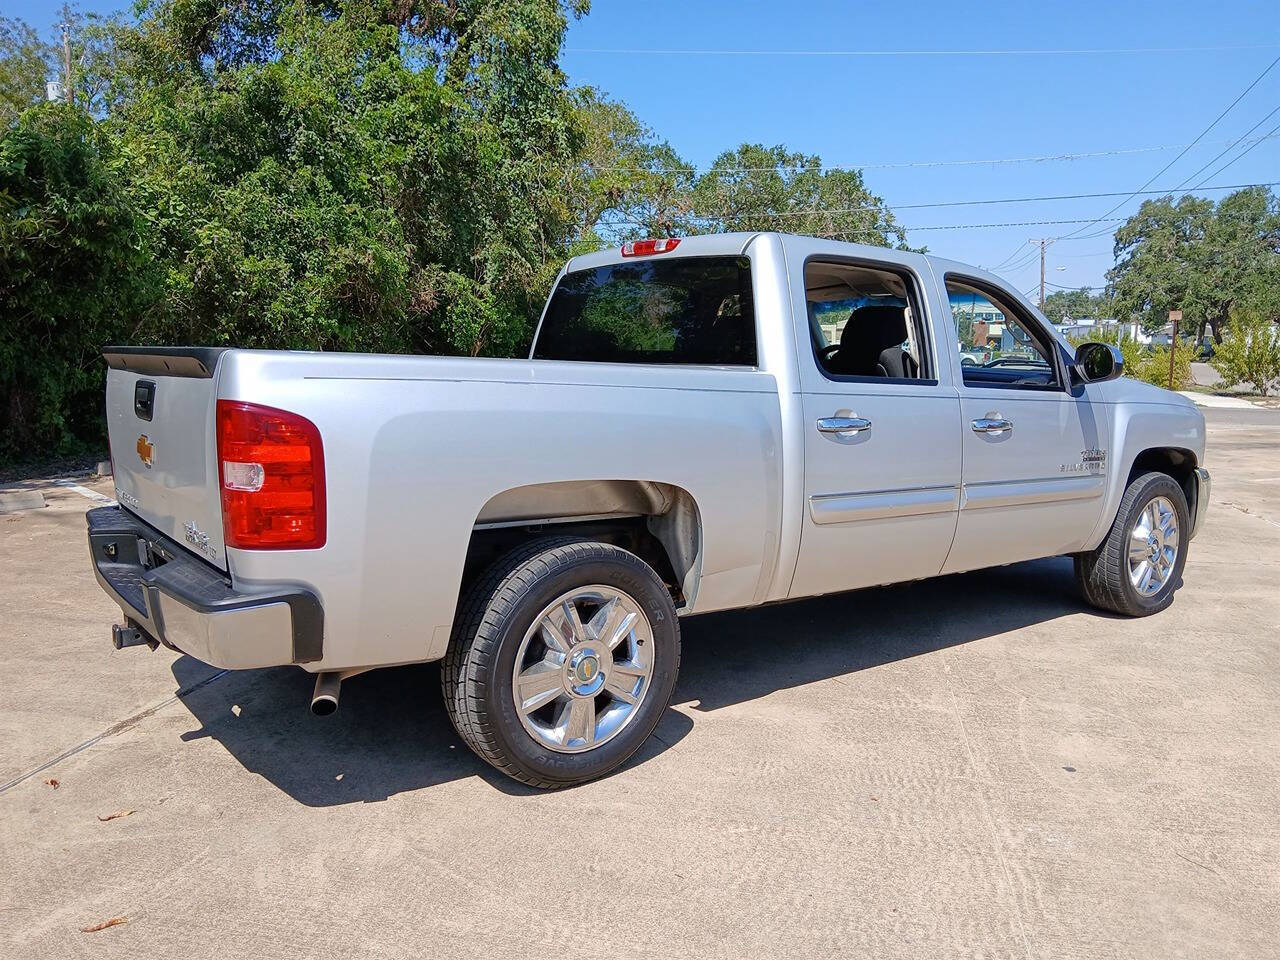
x: 659, y: 522
x: 1177, y: 462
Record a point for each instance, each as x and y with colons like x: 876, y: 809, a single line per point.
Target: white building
x: 1091, y: 327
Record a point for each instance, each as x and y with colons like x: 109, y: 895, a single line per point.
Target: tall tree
x: 24, y: 68
x: 1075, y: 304
x: 771, y: 188
x: 1198, y: 257
x: 77, y: 271
x: 378, y: 174
x: 625, y: 181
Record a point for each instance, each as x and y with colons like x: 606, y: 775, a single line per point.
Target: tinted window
x: 686, y: 310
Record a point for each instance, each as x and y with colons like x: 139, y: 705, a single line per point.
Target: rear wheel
x: 564, y: 656
x: 1137, y: 568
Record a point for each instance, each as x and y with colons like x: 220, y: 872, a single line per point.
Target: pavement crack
x: 1202, y: 866
x: 112, y: 730
x: 1244, y: 509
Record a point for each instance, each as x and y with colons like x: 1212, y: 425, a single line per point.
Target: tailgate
x: 160, y: 421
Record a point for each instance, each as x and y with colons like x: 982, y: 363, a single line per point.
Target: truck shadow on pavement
x: 391, y: 733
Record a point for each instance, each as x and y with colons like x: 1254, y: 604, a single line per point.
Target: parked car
x: 681, y: 439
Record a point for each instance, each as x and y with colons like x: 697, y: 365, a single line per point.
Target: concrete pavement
x: 977, y: 765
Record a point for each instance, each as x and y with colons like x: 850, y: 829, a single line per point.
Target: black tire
x: 1103, y: 573
x: 492, y: 620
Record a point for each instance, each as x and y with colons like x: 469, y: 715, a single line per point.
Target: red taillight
x: 271, y: 473
x: 645, y: 248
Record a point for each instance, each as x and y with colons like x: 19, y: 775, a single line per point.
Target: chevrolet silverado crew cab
x: 701, y: 424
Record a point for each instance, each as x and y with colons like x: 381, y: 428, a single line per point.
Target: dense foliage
x: 1250, y: 353
x: 1199, y: 257
x: 1062, y: 306
x: 378, y: 175
x: 77, y: 270
x: 1146, y: 363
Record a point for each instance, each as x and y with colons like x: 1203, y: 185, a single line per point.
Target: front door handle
x: 843, y: 424
x: 996, y: 425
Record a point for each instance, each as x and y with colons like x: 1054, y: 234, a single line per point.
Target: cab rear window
x: 692, y: 310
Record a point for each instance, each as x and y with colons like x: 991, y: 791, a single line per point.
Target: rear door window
x: 690, y: 310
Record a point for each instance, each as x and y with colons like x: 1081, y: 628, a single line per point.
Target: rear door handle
x: 992, y: 425
x: 843, y: 425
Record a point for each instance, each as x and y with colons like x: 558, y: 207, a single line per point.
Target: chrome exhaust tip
x: 324, y: 700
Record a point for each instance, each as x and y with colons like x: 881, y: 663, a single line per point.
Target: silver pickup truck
x: 702, y: 424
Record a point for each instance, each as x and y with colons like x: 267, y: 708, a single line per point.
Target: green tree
x: 771, y: 188
x: 1198, y: 257
x: 77, y: 271
x: 1075, y: 304
x: 379, y: 176
x: 626, y: 183
x: 24, y: 68
x: 1250, y: 353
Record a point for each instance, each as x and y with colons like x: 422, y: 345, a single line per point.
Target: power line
x: 1082, y: 286
x: 1228, y: 149
x: 1073, y: 196
x: 831, y: 211
x: 1237, y: 157
x: 964, y: 52
x: 906, y: 164
x: 871, y: 231
x: 1017, y: 251
x: 1161, y: 171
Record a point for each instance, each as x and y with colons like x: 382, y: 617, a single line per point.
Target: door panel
x: 881, y: 503
x: 1035, y: 489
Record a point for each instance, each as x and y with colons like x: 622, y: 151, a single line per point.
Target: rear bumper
x: 188, y: 605
x: 1203, y: 483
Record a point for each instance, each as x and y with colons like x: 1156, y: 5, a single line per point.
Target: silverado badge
x: 146, y: 451
x: 1092, y: 460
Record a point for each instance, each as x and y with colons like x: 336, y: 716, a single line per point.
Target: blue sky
x: 859, y: 110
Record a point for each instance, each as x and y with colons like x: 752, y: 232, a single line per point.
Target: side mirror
x: 1096, y: 362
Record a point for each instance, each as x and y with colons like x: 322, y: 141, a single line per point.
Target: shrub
x: 75, y: 274
x: 1148, y: 364
x: 1250, y: 353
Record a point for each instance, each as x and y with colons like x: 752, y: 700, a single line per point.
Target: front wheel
x: 1136, y: 569
x: 563, y: 658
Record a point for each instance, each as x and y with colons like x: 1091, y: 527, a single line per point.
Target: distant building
x: 1091, y: 327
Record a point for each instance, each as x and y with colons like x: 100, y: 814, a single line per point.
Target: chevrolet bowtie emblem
x: 146, y: 451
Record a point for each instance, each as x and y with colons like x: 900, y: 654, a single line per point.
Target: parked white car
x: 682, y: 439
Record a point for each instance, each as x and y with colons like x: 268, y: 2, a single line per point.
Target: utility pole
x: 1044, y: 242
x: 1175, y: 318
x: 66, y: 55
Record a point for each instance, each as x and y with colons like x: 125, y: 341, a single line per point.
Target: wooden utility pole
x: 1044, y: 242
x: 1175, y: 319
x: 68, y: 85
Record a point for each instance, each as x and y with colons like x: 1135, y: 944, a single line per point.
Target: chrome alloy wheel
x: 583, y: 668
x: 1153, y: 546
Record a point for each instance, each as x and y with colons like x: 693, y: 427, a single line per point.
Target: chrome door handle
x: 843, y: 424
x: 992, y: 425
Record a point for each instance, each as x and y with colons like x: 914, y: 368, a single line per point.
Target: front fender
x: 1140, y: 426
